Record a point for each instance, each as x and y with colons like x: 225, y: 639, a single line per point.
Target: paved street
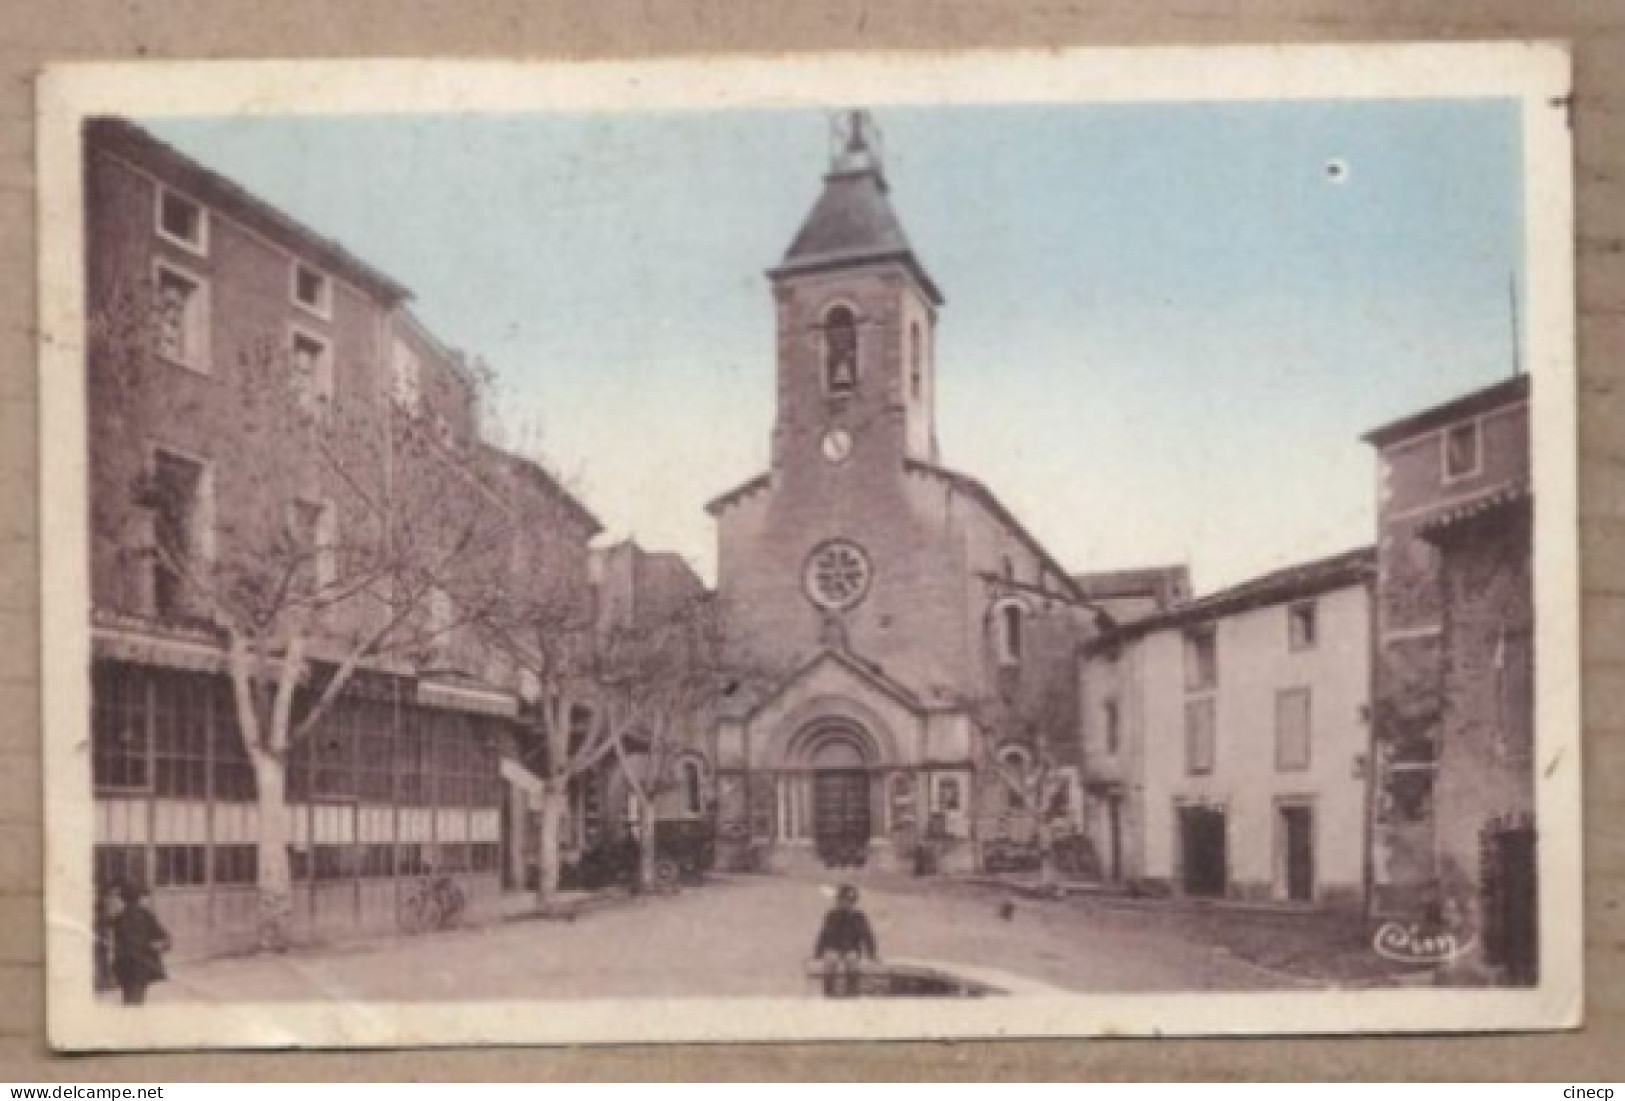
x: 736, y: 936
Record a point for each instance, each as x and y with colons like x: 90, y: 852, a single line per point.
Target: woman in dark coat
x: 139, y: 942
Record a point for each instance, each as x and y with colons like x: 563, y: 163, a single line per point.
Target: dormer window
x: 182, y: 222
x: 312, y: 290
x: 840, y: 351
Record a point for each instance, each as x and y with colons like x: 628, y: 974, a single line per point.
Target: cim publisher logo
x: 1416, y: 942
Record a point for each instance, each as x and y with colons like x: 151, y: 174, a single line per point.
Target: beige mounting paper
x: 1537, y: 75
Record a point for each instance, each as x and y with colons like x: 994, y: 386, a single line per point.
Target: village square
x: 381, y: 711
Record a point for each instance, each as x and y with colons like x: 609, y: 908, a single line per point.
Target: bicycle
x: 435, y: 902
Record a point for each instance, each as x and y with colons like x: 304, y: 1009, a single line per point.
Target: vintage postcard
x: 806, y: 548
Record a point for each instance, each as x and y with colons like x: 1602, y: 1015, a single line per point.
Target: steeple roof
x: 853, y: 221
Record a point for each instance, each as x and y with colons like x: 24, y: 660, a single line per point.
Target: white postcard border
x: 1536, y: 73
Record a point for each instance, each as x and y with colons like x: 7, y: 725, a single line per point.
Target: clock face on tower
x: 837, y: 445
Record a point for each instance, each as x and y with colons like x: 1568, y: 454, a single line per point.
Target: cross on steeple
x: 854, y: 142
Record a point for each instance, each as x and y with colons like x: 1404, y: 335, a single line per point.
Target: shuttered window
x: 1199, y: 751
x: 1292, y: 730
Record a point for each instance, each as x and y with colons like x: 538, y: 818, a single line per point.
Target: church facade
x: 916, y: 643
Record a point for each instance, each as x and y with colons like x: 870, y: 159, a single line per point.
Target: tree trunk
x: 275, y: 834
x: 1046, y: 850
x: 554, y: 794
x: 646, y: 841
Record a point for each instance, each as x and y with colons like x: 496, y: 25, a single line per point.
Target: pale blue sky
x: 1166, y: 326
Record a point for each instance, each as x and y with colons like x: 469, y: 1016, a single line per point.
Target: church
x: 916, y: 644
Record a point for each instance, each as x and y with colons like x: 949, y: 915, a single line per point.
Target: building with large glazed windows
x: 193, y: 284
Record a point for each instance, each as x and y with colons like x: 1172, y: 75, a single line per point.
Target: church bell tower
x: 857, y: 316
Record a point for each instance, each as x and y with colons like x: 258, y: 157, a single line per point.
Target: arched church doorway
x: 841, y: 800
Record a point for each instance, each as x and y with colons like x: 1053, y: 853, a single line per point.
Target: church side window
x: 693, y: 787
x: 840, y: 351
x: 1016, y: 764
x: 916, y: 364
x: 1008, y: 625
x: 1012, y: 633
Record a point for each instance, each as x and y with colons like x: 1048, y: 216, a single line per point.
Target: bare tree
x: 661, y: 683
x: 351, y: 534
x: 1027, y: 723
x: 551, y: 638
x: 1019, y: 752
x: 638, y: 693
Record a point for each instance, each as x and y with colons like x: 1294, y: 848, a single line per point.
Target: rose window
x: 837, y: 575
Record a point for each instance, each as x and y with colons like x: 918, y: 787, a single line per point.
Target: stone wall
x: 1409, y: 706
x: 1486, y: 767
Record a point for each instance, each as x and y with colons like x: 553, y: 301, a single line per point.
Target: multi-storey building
x: 268, y: 422
x: 635, y: 585
x: 1226, y: 739
x: 1123, y: 596
x: 641, y: 590
x: 1454, y: 831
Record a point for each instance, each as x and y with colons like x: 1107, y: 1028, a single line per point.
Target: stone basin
x: 931, y: 979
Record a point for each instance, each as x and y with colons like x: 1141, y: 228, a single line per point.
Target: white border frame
x: 1536, y: 74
